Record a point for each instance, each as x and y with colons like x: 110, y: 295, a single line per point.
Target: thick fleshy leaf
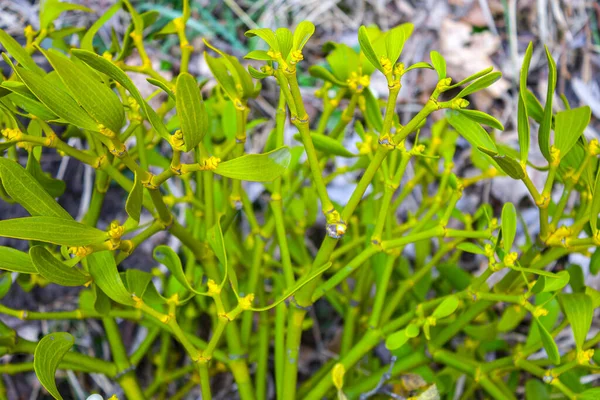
x: 546, y: 124
x: 396, y: 340
x: 534, y: 107
x: 162, y: 85
x: 285, y: 39
x: 321, y: 72
x: 446, y: 307
x: 54, y: 270
x: 419, y: 65
x: 13, y: 48
x: 439, y: 64
x: 328, y: 145
x: 104, y: 271
x: 256, y: 167
x: 260, y: 55
x: 470, y: 248
x: 579, y: 310
x: 57, y: 100
x: 95, y: 97
x: 509, y: 226
x: 373, y: 113
x: 482, y: 118
x: 536, y: 390
x: 595, y: 209
x: 241, y: 77
x: 511, y: 318
x: 47, y: 356
x: 27, y: 191
x: 303, y: 32
x: 265, y: 34
x: 470, y: 130
x: 367, y: 47
x: 52, y: 230
x: 480, y: 84
x: 133, y: 206
x: 549, y: 282
x: 471, y: 78
x: 191, y: 111
x: 548, y: 343
x: 103, y: 65
x: 54, y: 187
x: 22, y: 97
x: 343, y: 60
x: 217, y: 243
x: 88, y: 38
x: 569, y: 126
x: 167, y: 257
x: 523, y: 117
x: 14, y: 260
x: 395, y: 39
x: 219, y: 71
x: 509, y: 165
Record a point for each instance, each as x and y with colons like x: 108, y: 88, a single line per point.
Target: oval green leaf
x: 47, y: 356
x: 54, y: 230
x: 191, y: 111
x: 104, y: 271
x: 256, y: 167
x: 509, y: 226
x: 55, y: 271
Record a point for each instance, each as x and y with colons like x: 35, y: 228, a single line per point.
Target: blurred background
x: 470, y: 34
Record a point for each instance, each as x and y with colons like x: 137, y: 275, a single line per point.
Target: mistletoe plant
x: 250, y: 275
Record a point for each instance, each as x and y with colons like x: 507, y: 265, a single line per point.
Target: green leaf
x: 241, y: 77
x: 54, y: 187
x: 595, y: 209
x: 167, y: 257
x: 470, y: 248
x: 328, y: 145
x: 52, y: 230
x: 418, y: 65
x: 549, y: 282
x: 396, y: 340
x: 509, y: 165
x: 133, y: 206
x: 321, y: 72
x: 303, y: 32
x: 470, y: 130
x: 27, y: 191
x: 22, y: 97
x: 579, y: 310
x: 546, y: 124
x: 511, y: 318
x: 191, y: 111
x: 590, y: 394
x: 577, y: 279
x: 50, y: 10
x: 219, y: 71
x: 523, y: 127
x: 48, y: 354
x: 57, y: 100
x: 54, y: 270
x: 548, y: 343
x: 509, y: 226
x: 569, y: 126
x: 482, y: 118
x: 13, y: 48
x: 162, y: 85
x: 595, y: 260
x: 88, y: 38
x: 256, y: 167
x: 95, y: 97
x: 285, y: 39
x: 439, y: 64
x: 14, y: 260
x: 216, y: 242
x: 260, y: 55
x: 103, y: 65
x: 534, y: 107
x: 265, y: 34
x: 471, y: 78
x: 480, y: 84
x: 367, y: 47
x: 536, y: 390
x: 395, y: 39
x: 446, y: 307
x: 103, y: 269
x: 373, y: 113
